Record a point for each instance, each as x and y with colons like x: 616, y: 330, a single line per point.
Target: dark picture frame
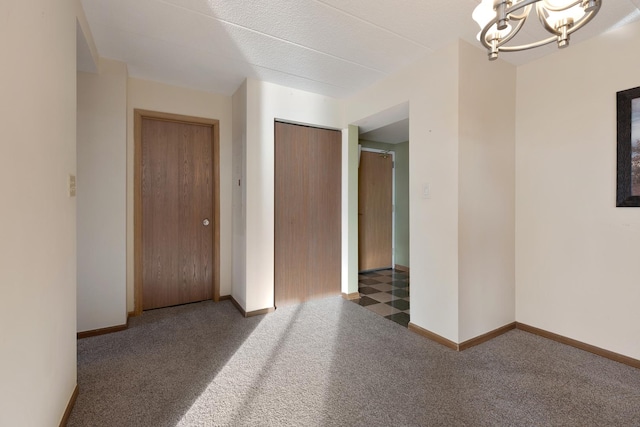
x: 628, y: 176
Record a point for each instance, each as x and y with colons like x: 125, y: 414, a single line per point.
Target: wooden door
x: 375, y: 211
x: 177, y: 213
x: 307, y: 213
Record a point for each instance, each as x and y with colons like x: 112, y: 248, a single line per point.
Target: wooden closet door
x: 307, y: 213
x: 325, y: 217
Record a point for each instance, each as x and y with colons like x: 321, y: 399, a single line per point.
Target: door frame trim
x: 138, y: 115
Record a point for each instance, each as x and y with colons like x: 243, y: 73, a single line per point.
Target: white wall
x: 160, y: 97
x: 239, y: 285
x: 267, y: 102
x: 462, y: 236
x: 101, y: 201
x: 38, y: 227
x: 87, y: 58
x: 349, y: 217
x: 486, y: 217
x: 431, y: 87
x: 576, y: 253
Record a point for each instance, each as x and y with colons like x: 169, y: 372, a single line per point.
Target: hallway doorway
x: 383, y: 256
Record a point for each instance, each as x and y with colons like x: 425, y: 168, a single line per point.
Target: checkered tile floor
x: 385, y: 292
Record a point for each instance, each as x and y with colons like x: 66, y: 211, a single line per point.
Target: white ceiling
x: 390, y: 126
x: 331, y: 47
x: 394, y: 133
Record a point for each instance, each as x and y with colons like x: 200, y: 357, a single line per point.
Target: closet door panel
x: 307, y: 213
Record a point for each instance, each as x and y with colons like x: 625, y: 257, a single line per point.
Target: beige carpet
x: 334, y: 363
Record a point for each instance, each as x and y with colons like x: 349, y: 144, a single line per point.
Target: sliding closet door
x: 307, y: 213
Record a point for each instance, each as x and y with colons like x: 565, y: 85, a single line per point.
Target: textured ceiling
x: 331, y: 47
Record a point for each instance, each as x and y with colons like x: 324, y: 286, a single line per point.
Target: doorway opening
x: 383, y: 256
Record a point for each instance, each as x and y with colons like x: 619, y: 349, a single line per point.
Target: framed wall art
x: 628, y: 178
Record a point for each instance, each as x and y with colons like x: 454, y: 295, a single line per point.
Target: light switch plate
x: 72, y: 185
x: 426, y: 191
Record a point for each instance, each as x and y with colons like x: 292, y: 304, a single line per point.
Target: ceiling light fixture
x: 501, y: 20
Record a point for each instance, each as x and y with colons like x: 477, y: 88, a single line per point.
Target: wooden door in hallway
x: 375, y: 211
x: 178, y: 219
x: 308, y: 170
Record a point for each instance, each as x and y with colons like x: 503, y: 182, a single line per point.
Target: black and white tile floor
x: 385, y: 292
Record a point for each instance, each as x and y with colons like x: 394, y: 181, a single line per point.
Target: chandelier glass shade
x: 501, y: 20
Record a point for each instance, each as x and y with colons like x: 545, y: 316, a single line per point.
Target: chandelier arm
x: 543, y: 18
x: 494, y: 21
x: 525, y: 13
x: 581, y: 23
x: 561, y: 8
x: 510, y: 10
x: 575, y: 26
x: 496, y: 45
x: 521, y: 19
x: 584, y: 20
x: 520, y: 5
x: 513, y: 32
x: 483, y: 35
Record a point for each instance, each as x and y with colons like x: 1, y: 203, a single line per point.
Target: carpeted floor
x: 334, y: 363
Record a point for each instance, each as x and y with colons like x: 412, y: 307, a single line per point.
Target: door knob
x: 205, y: 222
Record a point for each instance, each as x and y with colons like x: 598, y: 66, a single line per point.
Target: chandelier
x: 501, y: 20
